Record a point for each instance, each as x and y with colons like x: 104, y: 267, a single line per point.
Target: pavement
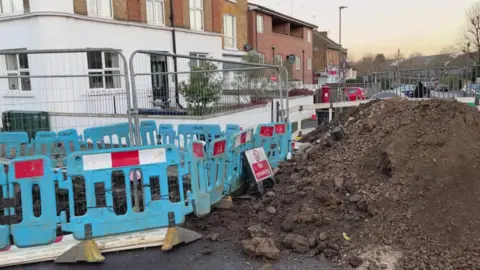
x: 202, y: 254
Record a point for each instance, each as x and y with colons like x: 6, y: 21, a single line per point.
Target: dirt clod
x: 261, y: 247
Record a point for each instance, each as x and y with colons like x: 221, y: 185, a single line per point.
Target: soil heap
x: 402, y: 188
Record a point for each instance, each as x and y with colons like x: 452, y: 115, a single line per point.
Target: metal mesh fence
x: 436, y: 82
x: 197, y: 86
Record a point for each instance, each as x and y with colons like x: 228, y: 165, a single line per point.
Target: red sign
x: 124, y: 159
x: 259, y: 164
x: 219, y: 147
x: 28, y: 168
x: 261, y: 170
x: 198, y: 150
x: 280, y: 128
x: 266, y: 131
x: 273, y: 78
x: 243, y: 138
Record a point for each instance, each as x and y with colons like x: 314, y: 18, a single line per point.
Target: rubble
x: 405, y: 175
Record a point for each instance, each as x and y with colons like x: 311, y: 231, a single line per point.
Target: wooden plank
x: 18, y: 256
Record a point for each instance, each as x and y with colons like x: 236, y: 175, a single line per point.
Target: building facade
x: 125, y: 25
x: 275, y: 36
x: 328, y: 57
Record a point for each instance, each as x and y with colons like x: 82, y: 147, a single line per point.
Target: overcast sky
x: 382, y: 26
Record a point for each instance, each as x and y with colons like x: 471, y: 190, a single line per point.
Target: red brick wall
x: 284, y: 45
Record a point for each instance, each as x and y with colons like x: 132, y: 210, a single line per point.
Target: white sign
x: 258, y: 161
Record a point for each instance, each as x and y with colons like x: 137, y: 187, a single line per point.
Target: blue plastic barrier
x: 148, y: 132
x: 143, y: 164
x: 198, y: 178
x: 166, y: 134
x: 13, y: 142
x: 216, y: 169
x: 237, y: 144
x: 97, y: 135
x: 37, y: 227
x: 44, y: 143
x: 231, y: 129
x: 204, y: 132
x: 265, y: 136
x: 4, y: 229
x: 70, y: 140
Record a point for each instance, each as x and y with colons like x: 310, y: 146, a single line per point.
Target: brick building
x: 234, y: 28
x: 327, y: 55
x: 276, y: 36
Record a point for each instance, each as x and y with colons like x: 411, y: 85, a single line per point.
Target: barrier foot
x: 85, y: 251
x: 177, y: 235
x: 224, y: 203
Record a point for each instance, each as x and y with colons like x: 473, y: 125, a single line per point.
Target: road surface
x: 199, y: 255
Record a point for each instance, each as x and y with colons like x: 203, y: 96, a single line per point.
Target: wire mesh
x: 197, y: 87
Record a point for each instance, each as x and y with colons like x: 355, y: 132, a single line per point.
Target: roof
x: 330, y: 43
x: 272, y: 12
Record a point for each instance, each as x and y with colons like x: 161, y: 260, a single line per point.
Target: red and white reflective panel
x: 29, y: 168
x: 124, y: 159
x: 198, y: 150
x: 243, y: 138
x: 266, y: 131
x: 219, y: 147
x: 280, y: 128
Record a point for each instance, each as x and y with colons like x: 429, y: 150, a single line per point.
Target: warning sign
x: 259, y: 164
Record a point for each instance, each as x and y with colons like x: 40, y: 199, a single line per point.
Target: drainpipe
x: 303, y: 66
x: 174, y: 45
x: 273, y: 55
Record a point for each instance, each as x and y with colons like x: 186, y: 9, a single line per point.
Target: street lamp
x: 340, y: 24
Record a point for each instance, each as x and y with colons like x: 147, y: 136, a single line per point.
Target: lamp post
x: 340, y: 23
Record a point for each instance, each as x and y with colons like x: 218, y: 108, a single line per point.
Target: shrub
x: 300, y: 92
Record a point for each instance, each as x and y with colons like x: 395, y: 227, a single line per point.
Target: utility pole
x: 340, y: 24
x: 398, y: 67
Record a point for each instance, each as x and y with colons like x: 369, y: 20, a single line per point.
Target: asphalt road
x: 202, y: 254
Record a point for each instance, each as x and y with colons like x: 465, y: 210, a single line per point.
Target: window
x: 309, y: 63
x: 259, y: 23
x: 278, y: 60
x: 297, y: 62
x: 17, y: 65
x: 229, y: 31
x: 309, y: 36
x: 196, y: 62
x: 196, y: 14
x: 9, y: 7
x: 155, y: 13
x: 107, y: 66
x: 261, y: 58
x: 100, y: 8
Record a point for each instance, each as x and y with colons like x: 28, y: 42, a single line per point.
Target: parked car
x: 429, y: 85
x: 388, y: 94
x: 354, y: 93
x: 468, y: 90
x: 442, y: 88
x: 406, y: 89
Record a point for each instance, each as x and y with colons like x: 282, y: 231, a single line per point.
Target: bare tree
x: 415, y: 54
x: 471, y: 32
x: 449, y: 50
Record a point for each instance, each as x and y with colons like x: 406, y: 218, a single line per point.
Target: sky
x: 382, y: 26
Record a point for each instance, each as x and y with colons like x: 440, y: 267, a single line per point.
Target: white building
x: 119, y: 24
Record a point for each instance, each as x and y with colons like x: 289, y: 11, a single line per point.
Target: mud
x: 400, y: 191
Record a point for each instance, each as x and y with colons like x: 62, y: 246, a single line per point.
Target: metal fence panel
x: 203, y: 88
x: 78, y: 88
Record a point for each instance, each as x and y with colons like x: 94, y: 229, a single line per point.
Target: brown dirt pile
x: 405, y: 179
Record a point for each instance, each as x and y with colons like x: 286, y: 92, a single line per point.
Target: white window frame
x: 309, y: 36
x: 16, y: 7
x: 194, y: 12
x: 278, y: 60
x: 309, y: 63
x: 260, y: 28
x: 102, y: 71
x: 297, y: 63
x: 152, y: 18
x: 196, y: 62
x: 18, y: 71
x: 234, y: 32
x: 97, y: 4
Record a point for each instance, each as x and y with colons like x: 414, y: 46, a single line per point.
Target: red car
x: 354, y: 93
